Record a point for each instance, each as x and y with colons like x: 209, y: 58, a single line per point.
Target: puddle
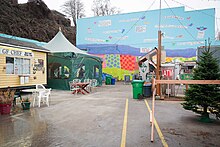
x: 21, y: 129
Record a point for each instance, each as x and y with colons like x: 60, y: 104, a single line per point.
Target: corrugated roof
x: 21, y: 44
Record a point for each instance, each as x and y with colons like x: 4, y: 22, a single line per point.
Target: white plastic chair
x: 42, y: 94
x: 94, y: 83
x: 76, y: 80
x: 40, y: 86
x: 44, y: 97
x: 70, y: 84
x: 90, y: 84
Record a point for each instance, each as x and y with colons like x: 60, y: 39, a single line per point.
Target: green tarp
x: 64, y: 67
x: 66, y: 62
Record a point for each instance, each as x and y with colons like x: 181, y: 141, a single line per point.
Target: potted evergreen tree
x: 202, y: 99
x: 6, y: 99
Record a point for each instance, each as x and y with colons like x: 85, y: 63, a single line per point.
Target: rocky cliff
x: 33, y: 20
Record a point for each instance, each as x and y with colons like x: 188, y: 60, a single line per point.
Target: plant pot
x: 5, y: 108
x: 26, y: 105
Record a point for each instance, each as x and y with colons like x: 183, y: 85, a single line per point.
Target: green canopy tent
x: 66, y: 62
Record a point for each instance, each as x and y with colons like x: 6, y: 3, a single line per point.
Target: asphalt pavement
x: 106, y: 117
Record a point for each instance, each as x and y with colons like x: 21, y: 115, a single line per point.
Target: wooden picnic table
x: 81, y: 87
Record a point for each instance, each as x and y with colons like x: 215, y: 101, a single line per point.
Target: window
x: 96, y: 71
x: 26, y: 66
x: 17, y: 65
x: 55, y: 71
x: 81, y: 71
x: 66, y: 72
x: 9, y: 65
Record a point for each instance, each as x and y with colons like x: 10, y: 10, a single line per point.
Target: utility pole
x: 158, y: 71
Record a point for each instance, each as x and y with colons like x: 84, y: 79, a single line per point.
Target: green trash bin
x: 137, y: 88
x: 108, y: 80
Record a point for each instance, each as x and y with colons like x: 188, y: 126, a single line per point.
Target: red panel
x: 128, y: 62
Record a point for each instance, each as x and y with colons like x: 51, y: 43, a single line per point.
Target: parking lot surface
x: 98, y: 120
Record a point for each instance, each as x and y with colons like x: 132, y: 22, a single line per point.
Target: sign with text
x: 167, y: 72
x: 144, y: 50
x: 16, y: 52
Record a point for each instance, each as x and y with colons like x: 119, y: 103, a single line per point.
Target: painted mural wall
x: 121, y: 39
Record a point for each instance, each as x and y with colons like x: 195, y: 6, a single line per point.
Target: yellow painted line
x: 123, y: 136
x: 157, y: 127
x: 148, y: 107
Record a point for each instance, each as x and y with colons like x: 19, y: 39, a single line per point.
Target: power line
x: 153, y: 43
x: 135, y: 23
x: 160, y: 15
x: 159, y: 22
x: 180, y: 22
x: 195, y: 9
x: 165, y: 42
x: 202, y: 13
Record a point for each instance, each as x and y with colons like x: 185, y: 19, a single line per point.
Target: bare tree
x: 74, y: 9
x: 103, y: 8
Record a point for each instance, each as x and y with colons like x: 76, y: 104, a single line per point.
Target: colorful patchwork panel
x: 112, y: 60
x: 128, y: 62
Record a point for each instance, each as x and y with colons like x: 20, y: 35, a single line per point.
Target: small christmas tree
x: 201, y: 98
